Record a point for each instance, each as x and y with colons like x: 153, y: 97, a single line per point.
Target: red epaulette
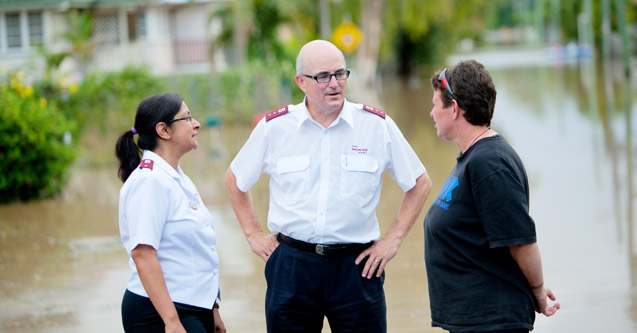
x: 147, y: 164
x: 374, y: 110
x: 275, y: 113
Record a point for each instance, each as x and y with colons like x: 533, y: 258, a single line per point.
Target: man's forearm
x: 242, y: 205
x: 410, y: 208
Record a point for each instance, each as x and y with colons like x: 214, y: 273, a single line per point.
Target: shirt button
x: 215, y: 271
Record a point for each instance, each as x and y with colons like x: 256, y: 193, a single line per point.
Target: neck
x: 323, y: 117
x: 169, y: 157
x: 474, y: 135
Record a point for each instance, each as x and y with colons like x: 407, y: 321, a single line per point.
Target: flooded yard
x: 63, y: 268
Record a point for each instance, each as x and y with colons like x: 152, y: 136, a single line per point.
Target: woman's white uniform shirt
x: 161, y: 207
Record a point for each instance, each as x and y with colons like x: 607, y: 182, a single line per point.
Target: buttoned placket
x: 193, y: 197
x: 321, y: 213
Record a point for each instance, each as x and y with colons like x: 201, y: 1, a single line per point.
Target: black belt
x: 327, y: 250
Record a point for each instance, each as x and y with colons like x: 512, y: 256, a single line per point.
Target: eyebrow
x: 326, y: 72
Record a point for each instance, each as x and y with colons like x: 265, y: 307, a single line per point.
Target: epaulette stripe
x: 275, y: 113
x: 146, y: 163
x: 374, y: 110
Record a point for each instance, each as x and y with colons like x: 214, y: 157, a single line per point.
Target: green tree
x: 251, y: 29
x: 418, y: 33
x: 79, y: 33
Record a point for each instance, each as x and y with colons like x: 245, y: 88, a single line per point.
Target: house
x: 170, y: 36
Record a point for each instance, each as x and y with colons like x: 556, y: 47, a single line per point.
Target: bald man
x: 325, y: 156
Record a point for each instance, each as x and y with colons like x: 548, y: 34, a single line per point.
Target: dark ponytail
x: 150, y: 111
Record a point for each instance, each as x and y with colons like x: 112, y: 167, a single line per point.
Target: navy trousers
x: 304, y: 287
x: 521, y: 330
x: 139, y: 316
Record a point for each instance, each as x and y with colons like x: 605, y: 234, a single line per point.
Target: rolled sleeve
x: 147, y: 212
x: 248, y: 165
x: 405, y: 167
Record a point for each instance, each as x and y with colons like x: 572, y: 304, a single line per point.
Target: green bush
x: 109, y: 99
x: 238, y: 93
x: 33, y: 156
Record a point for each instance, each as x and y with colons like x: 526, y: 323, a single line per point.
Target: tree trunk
x: 367, y: 83
x: 241, y: 31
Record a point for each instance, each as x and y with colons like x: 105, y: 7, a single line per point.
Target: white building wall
x: 156, y: 50
x: 168, y: 28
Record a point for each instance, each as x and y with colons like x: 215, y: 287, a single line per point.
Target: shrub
x: 238, y: 93
x: 34, y: 159
x: 109, y: 99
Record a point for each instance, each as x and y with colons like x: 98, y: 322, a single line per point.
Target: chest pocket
x: 359, y: 177
x: 293, y: 176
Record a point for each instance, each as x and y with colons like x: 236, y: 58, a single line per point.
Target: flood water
x: 63, y: 268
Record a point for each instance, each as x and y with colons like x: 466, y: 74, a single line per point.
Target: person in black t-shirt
x: 483, y: 263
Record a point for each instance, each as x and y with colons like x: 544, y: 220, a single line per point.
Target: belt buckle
x: 320, y: 249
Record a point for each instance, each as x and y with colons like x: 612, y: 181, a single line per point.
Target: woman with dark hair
x: 165, y: 227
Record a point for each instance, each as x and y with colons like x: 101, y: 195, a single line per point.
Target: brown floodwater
x: 63, y: 268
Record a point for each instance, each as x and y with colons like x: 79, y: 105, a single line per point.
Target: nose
x: 333, y: 82
x: 431, y: 113
x: 195, y: 124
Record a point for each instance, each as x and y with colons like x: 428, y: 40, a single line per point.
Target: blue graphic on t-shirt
x: 444, y: 198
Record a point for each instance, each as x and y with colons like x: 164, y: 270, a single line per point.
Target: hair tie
x: 132, y: 129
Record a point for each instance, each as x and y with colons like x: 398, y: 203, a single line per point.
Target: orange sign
x: 347, y: 36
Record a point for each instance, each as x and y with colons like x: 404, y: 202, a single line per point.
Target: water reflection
x: 62, y: 267
x: 579, y: 159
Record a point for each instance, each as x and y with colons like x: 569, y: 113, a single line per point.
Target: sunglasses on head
x: 442, y: 78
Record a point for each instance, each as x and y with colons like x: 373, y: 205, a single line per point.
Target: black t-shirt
x: 474, y: 283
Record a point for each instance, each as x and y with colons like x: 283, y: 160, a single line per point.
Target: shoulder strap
x: 374, y: 110
x: 275, y: 113
x: 147, y: 164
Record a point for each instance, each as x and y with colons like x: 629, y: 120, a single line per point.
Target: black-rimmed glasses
x: 189, y: 118
x: 442, y: 78
x: 326, y: 77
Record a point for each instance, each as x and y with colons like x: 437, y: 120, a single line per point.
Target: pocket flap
x: 292, y: 163
x: 359, y: 163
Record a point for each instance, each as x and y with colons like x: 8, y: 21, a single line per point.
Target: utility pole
x: 325, y: 19
x: 606, y: 33
x: 587, y: 25
x: 556, y: 25
x: 540, y: 21
x: 620, y: 8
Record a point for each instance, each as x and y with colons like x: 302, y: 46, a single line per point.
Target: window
x: 21, y: 30
x: 141, y: 24
x: 14, y: 35
x: 36, y: 35
x: 136, y: 25
x: 106, y: 29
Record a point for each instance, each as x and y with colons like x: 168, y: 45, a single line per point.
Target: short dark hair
x: 473, y: 86
x: 150, y: 111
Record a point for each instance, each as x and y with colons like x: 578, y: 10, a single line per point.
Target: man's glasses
x: 442, y: 78
x: 326, y: 77
x: 189, y: 118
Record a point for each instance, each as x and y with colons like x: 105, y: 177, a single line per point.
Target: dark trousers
x: 521, y: 330
x: 305, y: 287
x: 139, y: 316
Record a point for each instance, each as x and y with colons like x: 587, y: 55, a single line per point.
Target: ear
x: 300, y: 82
x: 163, y: 131
x: 455, y: 111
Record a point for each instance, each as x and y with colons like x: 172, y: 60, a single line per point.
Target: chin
x: 335, y: 104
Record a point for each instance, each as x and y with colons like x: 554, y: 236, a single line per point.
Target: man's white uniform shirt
x: 325, y: 183
x: 161, y: 207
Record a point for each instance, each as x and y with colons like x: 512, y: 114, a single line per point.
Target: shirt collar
x: 345, y: 114
x: 162, y: 164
